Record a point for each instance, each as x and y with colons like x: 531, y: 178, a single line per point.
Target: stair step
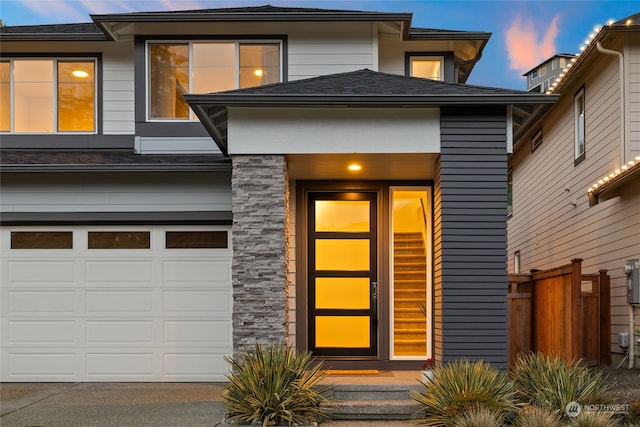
x: 353, y: 392
x: 373, y: 409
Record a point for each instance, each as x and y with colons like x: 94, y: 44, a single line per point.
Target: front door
x: 342, y: 275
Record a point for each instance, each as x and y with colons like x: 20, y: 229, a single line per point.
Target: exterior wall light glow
x: 354, y: 167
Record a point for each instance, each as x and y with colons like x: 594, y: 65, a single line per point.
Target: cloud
x: 526, y: 46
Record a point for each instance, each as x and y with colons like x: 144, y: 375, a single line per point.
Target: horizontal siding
x: 552, y: 221
x: 115, y: 193
x: 633, y: 66
x: 470, y: 239
x: 118, y: 80
x: 318, y: 49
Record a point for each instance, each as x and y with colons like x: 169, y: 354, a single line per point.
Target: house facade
x: 178, y: 185
x: 576, y: 175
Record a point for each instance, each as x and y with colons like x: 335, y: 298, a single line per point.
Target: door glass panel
x: 119, y: 240
x: 41, y: 240
x: 342, y: 254
x: 342, y: 292
x: 343, y: 331
x: 347, y: 216
x: 409, y: 221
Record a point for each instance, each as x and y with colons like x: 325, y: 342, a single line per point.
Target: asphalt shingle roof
x: 84, y: 31
x: 11, y: 160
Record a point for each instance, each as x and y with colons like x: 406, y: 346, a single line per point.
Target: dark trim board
x: 57, y: 141
x: 115, y: 218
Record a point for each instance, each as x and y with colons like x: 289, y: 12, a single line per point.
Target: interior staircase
x: 410, y: 290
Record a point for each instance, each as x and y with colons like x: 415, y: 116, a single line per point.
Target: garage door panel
x: 110, y: 332
x: 197, y: 301
x: 197, y: 332
x: 120, y: 301
x: 196, y: 272
x: 119, y: 364
x: 38, y: 301
x: 119, y: 272
x: 23, y: 332
x: 195, y: 365
x: 47, y: 366
x: 46, y: 272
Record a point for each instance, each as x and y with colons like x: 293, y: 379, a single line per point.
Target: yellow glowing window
x: 342, y: 331
x: 349, y: 293
x: 48, y: 95
x: 426, y: 67
x: 342, y: 254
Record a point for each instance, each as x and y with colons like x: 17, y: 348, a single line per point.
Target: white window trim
x: 147, y: 69
x: 427, y: 58
x: 55, y: 60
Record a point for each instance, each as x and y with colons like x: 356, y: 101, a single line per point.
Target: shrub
x: 633, y: 417
x: 532, y: 416
x: 592, y: 419
x: 462, y: 386
x: 551, y: 383
x: 478, y: 417
x: 274, y: 385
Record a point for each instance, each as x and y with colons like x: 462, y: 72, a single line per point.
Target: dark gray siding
x: 470, y: 238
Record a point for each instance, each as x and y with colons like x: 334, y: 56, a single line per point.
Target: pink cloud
x: 527, y: 46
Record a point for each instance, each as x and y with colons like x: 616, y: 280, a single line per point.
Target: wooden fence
x: 560, y: 312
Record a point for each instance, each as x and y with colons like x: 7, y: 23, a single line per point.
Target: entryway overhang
x: 358, y: 89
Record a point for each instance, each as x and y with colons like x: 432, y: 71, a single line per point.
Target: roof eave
x: 55, y: 37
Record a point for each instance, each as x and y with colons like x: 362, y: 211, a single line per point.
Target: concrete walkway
x: 125, y: 405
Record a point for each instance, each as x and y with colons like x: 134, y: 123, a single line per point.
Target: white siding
x: 392, y: 52
x: 347, y: 130
x: 552, y: 222
x: 112, y: 193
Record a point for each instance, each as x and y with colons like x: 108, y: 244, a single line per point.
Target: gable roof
x: 362, y: 88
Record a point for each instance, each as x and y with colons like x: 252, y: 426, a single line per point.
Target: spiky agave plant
x: 462, y: 386
x: 551, y: 383
x: 274, y: 384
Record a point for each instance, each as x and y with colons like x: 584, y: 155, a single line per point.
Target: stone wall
x: 260, y: 192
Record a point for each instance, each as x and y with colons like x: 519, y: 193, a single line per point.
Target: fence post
x: 574, y: 312
x: 605, y: 318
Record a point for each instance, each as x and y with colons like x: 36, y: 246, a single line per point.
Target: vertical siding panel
x: 470, y: 241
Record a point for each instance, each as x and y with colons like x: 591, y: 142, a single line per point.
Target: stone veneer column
x: 260, y: 192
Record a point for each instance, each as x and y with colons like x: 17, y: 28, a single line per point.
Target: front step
x: 373, y: 402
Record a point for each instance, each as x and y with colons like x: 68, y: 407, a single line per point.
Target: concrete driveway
x: 110, y: 404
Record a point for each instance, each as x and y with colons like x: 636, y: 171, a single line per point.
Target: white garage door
x: 101, y: 303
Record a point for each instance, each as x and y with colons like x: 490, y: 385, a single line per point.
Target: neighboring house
x: 576, y: 170
x: 346, y: 192
x: 542, y: 77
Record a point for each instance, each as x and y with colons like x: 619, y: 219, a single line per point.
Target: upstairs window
x: 205, y: 67
x: 579, y: 125
x: 427, y: 67
x: 48, y: 95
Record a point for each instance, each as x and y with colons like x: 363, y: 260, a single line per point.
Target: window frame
x: 579, y: 132
x: 189, y: 42
x: 96, y: 58
x: 536, y: 139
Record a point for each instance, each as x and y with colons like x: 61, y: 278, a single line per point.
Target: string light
x: 625, y: 169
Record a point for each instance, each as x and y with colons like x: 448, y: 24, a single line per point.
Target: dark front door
x: 342, y: 273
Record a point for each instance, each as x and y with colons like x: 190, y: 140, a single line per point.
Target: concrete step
x: 374, y: 391
x: 373, y: 410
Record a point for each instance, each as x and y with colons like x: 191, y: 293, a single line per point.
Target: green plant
x: 551, y: 383
x: 592, y: 419
x: 274, y: 384
x: 478, y: 417
x: 533, y: 416
x: 461, y: 386
x: 633, y: 417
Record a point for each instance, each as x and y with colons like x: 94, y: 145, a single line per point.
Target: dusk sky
x: 524, y: 33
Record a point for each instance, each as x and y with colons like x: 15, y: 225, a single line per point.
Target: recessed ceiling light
x: 80, y: 73
x: 354, y: 167
x: 258, y: 72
